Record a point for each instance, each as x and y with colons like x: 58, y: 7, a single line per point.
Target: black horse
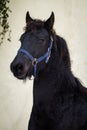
x: 59, y: 99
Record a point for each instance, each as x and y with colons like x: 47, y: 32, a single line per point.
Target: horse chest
x: 42, y: 95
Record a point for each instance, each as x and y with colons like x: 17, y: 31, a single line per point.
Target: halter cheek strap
x: 35, y: 61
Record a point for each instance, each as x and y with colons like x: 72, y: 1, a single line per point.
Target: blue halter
x: 35, y: 61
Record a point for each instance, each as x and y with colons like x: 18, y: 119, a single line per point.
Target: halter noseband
x: 35, y: 61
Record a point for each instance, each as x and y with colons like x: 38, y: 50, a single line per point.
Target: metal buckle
x: 34, y: 61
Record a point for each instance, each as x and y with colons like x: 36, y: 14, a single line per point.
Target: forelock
x: 33, y: 25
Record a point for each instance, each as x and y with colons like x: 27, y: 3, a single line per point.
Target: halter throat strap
x: 34, y: 60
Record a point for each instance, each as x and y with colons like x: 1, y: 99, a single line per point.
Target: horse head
x: 36, y: 45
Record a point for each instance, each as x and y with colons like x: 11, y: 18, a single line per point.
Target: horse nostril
x: 19, y: 68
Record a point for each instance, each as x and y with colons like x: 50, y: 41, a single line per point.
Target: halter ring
x: 34, y: 61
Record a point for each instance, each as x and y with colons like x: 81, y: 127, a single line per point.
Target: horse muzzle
x: 21, y: 69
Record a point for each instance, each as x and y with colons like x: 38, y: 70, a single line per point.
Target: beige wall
x: 70, y: 22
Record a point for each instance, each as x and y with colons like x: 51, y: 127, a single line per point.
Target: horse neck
x: 54, y: 79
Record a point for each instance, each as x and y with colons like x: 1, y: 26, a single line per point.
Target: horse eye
x: 41, y: 40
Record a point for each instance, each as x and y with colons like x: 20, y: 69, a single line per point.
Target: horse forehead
x: 34, y: 30
x: 38, y: 33
x: 37, y: 30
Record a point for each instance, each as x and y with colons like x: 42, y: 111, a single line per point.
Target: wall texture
x: 70, y: 22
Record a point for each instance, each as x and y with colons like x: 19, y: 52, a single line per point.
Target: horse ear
x: 28, y: 17
x: 50, y: 22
